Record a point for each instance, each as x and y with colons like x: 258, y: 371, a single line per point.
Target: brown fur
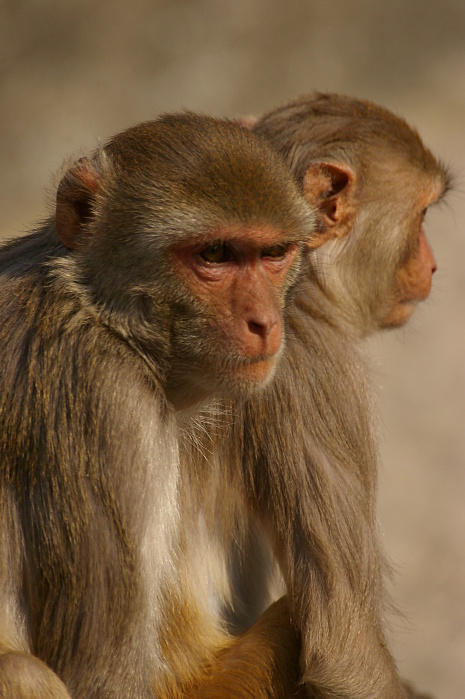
x: 263, y: 664
x: 96, y: 574
x: 288, y: 476
x: 307, y: 443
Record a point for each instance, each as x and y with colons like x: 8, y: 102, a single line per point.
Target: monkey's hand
x: 23, y: 676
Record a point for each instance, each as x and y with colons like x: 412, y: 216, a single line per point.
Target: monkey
x: 155, y: 290
x: 307, y: 443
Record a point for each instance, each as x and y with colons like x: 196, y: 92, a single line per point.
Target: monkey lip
x: 258, y: 359
x: 257, y: 369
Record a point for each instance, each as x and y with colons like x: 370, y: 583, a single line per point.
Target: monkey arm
x: 311, y: 469
x: 92, y: 475
x: 261, y: 663
x: 22, y: 676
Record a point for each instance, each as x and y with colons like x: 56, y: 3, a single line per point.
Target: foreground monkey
x: 158, y: 286
x: 307, y: 444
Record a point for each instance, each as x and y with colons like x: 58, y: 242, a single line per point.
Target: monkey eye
x: 217, y: 253
x: 276, y: 250
x: 423, y: 214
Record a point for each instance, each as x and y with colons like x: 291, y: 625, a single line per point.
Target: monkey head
x: 186, y: 234
x: 371, y: 180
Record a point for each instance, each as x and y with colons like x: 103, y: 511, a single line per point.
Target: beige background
x: 73, y: 72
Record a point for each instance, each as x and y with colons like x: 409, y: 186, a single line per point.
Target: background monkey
x: 310, y: 449
x: 157, y: 287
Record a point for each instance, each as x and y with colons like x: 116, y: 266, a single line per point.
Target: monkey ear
x: 329, y: 187
x: 74, y: 203
x: 248, y: 122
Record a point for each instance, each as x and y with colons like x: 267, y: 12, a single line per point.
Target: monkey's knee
x: 412, y: 692
x: 22, y: 677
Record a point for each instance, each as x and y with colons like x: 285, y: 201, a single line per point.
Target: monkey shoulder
x: 70, y: 380
x: 85, y: 433
x: 322, y: 386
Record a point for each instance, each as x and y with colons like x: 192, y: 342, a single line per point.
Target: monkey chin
x: 253, y: 375
x: 246, y: 377
x: 237, y: 378
x: 399, y: 315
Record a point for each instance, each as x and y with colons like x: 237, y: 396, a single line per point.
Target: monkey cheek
x: 410, y: 293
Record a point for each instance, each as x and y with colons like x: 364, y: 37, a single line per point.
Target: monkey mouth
x: 258, y: 359
x: 257, y: 363
x: 256, y: 370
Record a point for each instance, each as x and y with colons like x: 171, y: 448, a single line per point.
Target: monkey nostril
x: 262, y: 328
x: 264, y: 337
x: 259, y: 328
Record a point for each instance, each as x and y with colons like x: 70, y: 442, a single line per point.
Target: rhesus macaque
x: 157, y: 288
x: 307, y: 442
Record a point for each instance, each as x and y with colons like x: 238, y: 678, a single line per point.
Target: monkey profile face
x: 414, y: 277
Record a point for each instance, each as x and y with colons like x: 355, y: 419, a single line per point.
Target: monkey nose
x: 264, y: 335
x: 261, y: 328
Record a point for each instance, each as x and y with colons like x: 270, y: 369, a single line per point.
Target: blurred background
x: 73, y: 73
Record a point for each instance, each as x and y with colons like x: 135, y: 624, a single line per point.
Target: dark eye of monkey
x: 217, y: 253
x: 278, y: 250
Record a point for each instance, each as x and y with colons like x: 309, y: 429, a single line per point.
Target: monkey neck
x: 189, y: 392
x: 187, y: 402
x: 316, y: 302
x: 191, y: 420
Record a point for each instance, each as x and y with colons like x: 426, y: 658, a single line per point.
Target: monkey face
x: 235, y: 285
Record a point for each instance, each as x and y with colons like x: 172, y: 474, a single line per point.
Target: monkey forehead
x: 434, y: 190
x: 179, y: 212
x: 420, y: 187
x: 320, y: 126
x: 183, y: 163
x: 253, y: 236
